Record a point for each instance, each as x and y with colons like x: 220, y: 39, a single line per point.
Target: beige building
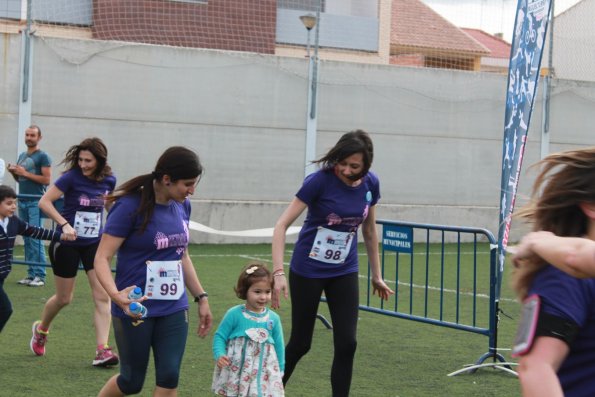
x: 574, y: 43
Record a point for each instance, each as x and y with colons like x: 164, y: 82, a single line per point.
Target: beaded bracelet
x: 278, y: 274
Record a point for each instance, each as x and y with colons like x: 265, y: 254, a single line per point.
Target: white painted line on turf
x: 451, y: 291
x: 264, y: 258
x: 256, y: 258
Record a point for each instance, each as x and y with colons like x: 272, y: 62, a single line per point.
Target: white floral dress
x: 254, y: 370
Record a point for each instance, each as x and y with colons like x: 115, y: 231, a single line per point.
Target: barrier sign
x: 397, y: 238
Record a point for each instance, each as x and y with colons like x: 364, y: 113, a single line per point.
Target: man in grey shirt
x: 33, y: 173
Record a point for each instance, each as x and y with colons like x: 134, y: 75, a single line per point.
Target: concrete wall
x: 437, y: 133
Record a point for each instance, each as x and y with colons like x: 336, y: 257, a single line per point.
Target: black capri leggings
x: 342, y: 294
x: 165, y: 335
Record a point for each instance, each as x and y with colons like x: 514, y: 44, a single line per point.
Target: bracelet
x: 201, y: 296
x: 278, y: 274
x: 65, y: 223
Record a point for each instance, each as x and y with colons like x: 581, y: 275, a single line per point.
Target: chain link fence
x: 454, y: 34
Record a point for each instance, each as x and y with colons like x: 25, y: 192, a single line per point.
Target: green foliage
x: 395, y: 357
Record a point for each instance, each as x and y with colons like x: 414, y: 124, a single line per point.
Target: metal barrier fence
x: 444, y: 275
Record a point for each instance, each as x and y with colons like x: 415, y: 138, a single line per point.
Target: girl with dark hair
x: 556, y: 338
x: 339, y: 197
x: 248, y: 345
x: 85, y: 183
x: 148, y: 228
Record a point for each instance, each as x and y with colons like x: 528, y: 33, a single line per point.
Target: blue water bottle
x: 136, y: 293
x: 137, y: 308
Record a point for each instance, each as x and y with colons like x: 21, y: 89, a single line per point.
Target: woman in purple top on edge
x: 148, y: 228
x: 85, y: 183
x: 339, y: 197
x: 556, y: 338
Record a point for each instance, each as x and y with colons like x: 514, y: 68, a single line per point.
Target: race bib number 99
x: 165, y: 280
x: 331, y: 246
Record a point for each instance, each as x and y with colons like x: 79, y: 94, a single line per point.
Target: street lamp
x: 309, y: 22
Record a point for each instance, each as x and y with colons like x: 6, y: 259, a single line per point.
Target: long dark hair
x: 566, y: 180
x: 177, y: 162
x: 353, y: 142
x: 99, y: 151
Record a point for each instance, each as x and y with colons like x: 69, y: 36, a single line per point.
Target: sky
x: 492, y: 16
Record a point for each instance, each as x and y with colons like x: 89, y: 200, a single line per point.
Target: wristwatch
x: 199, y: 297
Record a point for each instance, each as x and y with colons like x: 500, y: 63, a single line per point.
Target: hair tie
x: 251, y: 270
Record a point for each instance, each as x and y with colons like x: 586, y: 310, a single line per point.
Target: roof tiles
x: 414, y: 24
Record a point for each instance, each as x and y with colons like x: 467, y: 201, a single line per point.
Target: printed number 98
x: 330, y: 254
x: 170, y: 289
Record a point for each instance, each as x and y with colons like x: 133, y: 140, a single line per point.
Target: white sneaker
x: 36, y: 282
x: 26, y: 281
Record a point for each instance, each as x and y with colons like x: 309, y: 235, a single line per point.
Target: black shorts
x: 65, y: 259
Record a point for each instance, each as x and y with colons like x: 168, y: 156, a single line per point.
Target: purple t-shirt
x: 332, y: 207
x: 572, y: 299
x: 84, y: 195
x: 165, y: 238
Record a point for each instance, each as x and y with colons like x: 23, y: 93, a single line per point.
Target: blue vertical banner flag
x: 523, y: 74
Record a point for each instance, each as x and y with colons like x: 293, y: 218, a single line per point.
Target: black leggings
x: 342, y: 294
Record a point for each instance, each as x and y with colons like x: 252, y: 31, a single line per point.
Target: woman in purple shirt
x: 339, y: 197
x: 85, y: 183
x: 148, y: 228
x: 556, y: 339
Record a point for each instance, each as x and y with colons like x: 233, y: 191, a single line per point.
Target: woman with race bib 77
x: 84, y: 185
x: 340, y: 197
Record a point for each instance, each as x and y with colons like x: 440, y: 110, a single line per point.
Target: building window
x: 305, y: 5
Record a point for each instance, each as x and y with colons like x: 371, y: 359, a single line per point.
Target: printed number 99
x: 170, y: 289
x: 330, y: 254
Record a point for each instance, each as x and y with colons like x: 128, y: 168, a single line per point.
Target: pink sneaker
x: 38, y: 340
x: 105, y: 358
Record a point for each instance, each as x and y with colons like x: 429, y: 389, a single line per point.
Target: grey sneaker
x: 37, y: 282
x: 25, y: 281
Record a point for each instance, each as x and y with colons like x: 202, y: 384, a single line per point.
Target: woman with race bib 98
x: 84, y: 185
x: 340, y: 196
x: 148, y: 228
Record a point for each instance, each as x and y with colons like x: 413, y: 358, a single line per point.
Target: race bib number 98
x: 331, y: 246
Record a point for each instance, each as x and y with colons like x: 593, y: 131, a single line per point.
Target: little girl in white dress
x: 248, y: 346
